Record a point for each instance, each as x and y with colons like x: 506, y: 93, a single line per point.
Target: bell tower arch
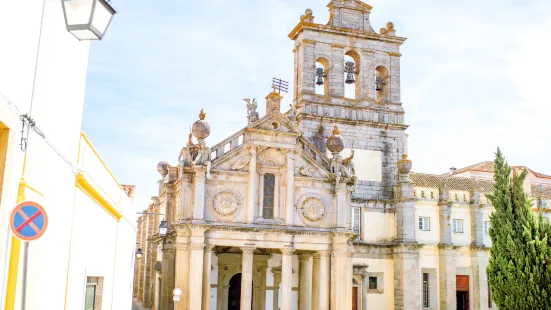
x: 348, y: 74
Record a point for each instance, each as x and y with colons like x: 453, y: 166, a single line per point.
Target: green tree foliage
x: 519, y: 270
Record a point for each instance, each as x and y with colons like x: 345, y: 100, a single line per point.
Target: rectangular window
x: 93, y: 297
x: 486, y: 228
x: 269, y: 196
x: 355, y: 214
x: 425, y: 290
x: 457, y: 226
x: 424, y: 223
x: 372, y: 283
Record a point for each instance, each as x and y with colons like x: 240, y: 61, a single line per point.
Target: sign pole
x: 24, y: 275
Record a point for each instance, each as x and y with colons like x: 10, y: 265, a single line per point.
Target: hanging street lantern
x: 139, y: 253
x: 163, y: 228
x: 349, y: 69
x: 87, y: 19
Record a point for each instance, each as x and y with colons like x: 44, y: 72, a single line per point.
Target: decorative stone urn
x: 404, y: 164
x: 201, y: 128
x: 335, y: 143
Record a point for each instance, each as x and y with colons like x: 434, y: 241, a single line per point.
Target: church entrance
x: 462, y: 294
x: 234, y: 293
x: 354, y: 298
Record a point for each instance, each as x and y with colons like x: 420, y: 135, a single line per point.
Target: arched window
x: 352, y: 85
x: 269, y: 196
x: 381, y: 84
x: 321, y: 76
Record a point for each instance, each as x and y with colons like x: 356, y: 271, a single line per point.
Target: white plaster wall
x: 378, y: 226
x: 57, y: 110
x: 368, y: 164
x: 383, y: 300
x: 486, y: 216
x: 463, y: 258
x: 427, y: 209
x: 461, y: 212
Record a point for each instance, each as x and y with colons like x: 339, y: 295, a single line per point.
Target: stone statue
x: 348, y: 164
x: 292, y: 114
x: 188, y: 153
x: 252, y: 114
x: 203, y: 156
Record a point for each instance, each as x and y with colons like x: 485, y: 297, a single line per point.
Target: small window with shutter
x: 356, y: 214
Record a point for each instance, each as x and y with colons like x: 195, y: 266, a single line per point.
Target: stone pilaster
x: 407, y: 282
x: 195, y: 288
x: 181, y: 273
x: 368, y: 72
x: 137, y: 260
x: 477, y: 224
x: 143, y: 260
x: 168, y: 275
x: 251, y: 187
x: 308, y: 60
x: 444, y: 217
x: 405, y: 206
x: 286, y: 276
x: 394, y: 80
x: 336, y: 74
x: 247, y: 278
x: 343, y: 206
x: 447, y: 274
x: 150, y: 259
x: 304, y: 285
x: 290, y: 203
x: 200, y: 177
x: 479, y: 262
x: 341, y: 274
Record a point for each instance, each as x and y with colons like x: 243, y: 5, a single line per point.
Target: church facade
x: 316, y: 207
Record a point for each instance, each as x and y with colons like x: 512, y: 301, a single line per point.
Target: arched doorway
x: 234, y: 293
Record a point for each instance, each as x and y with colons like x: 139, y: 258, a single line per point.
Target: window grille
x: 426, y: 290
x: 424, y: 223
x: 269, y: 196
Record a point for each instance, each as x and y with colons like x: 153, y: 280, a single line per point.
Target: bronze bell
x: 320, y: 75
x: 379, y: 84
x: 349, y: 69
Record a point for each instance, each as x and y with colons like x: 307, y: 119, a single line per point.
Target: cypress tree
x: 519, y: 270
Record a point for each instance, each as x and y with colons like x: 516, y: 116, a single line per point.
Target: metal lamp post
x: 87, y: 19
x: 139, y: 253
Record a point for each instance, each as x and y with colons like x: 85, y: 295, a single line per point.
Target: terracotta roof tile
x: 488, y: 166
x: 543, y: 191
x: 453, y: 183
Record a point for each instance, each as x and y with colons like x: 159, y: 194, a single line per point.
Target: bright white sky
x: 475, y: 75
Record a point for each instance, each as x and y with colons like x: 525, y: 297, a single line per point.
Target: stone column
x: 247, y: 278
x: 308, y: 66
x: 199, y: 191
x: 447, y: 274
x: 304, y: 291
x: 362, y: 271
x: 479, y: 262
x: 251, y: 187
x: 276, y: 271
x: 477, y: 225
x: 207, y: 256
x: 286, y: 276
x: 324, y: 280
x: 181, y: 276
x: 368, y: 72
x: 316, y: 281
x: 290, y: 205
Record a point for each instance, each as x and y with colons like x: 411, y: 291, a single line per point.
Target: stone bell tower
x: 349, y: 75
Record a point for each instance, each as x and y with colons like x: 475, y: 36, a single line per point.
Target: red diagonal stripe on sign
x: 25, y: 217
x: 29, y: 220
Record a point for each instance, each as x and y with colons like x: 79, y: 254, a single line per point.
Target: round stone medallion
x: 313, y: 209
x: 226, y: 203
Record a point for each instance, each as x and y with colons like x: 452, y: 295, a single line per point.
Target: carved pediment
x: 276, y: 123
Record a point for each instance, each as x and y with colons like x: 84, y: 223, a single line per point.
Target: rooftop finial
x: 202, y: 115
x: 336, y: 130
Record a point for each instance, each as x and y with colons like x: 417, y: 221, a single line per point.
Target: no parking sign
x: 28, y: 221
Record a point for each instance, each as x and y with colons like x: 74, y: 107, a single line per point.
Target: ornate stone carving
x: 272, y: 157
x: 292, y: 116
x: 404, y: 164
x: 306, y: 170
x: 162, y: 168
x: 312, y: 209
x: 201, y: 129
x: 241, y: 162
x: 226, y: 203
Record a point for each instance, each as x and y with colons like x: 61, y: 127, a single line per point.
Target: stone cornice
x: 341, y: 120
x: 301, y: 26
